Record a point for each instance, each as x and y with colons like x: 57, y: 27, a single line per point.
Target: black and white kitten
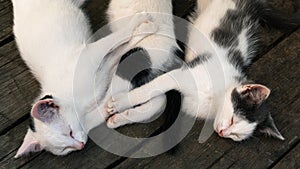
x: 213, y: 82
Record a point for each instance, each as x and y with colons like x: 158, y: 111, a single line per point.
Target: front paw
x: 116, y: 121
x: 138, y: 19
x: 147, y: 27
x: 118, y: 103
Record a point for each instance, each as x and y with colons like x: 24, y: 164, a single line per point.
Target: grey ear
x: 45, y: 110
x: 254, y: 93
x: 270, y: 128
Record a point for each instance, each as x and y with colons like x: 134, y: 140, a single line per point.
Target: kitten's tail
x: 276, y: 19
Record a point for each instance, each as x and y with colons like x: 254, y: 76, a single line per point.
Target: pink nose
x: 221, y: 133
x: 79, y: 145
x: 82, y: 145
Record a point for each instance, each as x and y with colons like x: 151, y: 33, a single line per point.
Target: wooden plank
x: 96, y: 12
x: 291, y: 160
x: 18, y: 87
x: 94, y: 156
x: 6, y: 19
x: 189, y: 153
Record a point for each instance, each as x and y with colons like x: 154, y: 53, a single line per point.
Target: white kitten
x: 213, y: 82
x: 51, y: 36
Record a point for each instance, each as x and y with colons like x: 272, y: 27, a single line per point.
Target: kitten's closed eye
x: 71, y: 134
x: 236, y: 128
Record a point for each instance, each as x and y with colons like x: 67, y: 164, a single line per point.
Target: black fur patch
x: 199, y: 60
x: 236, y: 59
x: 134, y: 61
x: 47, y: 97
x: 138, y: 60
x: 246, y: 16
x: 252, y: 112
x: 173, y: 97
x: 31, y: 124
x: 242, y: 79
x: 226, y: 35
x: 179, y: 53
x: 267, y: 15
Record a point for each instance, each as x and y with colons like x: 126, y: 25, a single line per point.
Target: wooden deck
x: 278, y: 67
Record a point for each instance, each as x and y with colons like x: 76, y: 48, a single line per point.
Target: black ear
x: 45, y: 110
x: 269, y: 128
x: 254, y: 93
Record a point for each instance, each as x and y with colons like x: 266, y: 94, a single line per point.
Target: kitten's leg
x: 138, y: 26
x: 97, y: 114
x: 138, y: 114
x: 109, y: 64
x: 203, y: 4
x: 144, y: 30
x: 158, y: 86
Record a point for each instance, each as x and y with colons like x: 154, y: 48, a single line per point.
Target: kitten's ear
x: 254, y: 93
x: 30, y: 144
x: 270, y: 128
x: 45, y: 110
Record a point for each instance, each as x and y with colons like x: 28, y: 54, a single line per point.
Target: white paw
x: 139, y: 18
x: 116, y: 121
x: 110, y: 107
x: 118, y: 103
x: 147, y: 27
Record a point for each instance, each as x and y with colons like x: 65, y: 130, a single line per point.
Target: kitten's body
x: 156, y: 54
x: 213, y: 83
x: 53, y: 39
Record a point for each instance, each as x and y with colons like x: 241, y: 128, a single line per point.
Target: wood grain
x: 278, y: 69
x: 291, y: 160
x: 6, y: 19
x: 17, y: 85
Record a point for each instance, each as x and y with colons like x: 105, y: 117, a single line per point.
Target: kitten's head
x: 245, y: 112
x: 49, y: 131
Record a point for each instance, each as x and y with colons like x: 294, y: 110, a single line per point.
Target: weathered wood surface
x: 279, y: 69
x: 291, y: 160
x: 5, y: 20
x: 18, y: 87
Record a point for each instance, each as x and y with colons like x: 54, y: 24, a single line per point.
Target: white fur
x: 208, y: 19
x: 51, y: 36
x: 159, y: 46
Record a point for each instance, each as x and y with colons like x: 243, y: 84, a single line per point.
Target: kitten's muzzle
x: 79, y: 146
x: 221, y: 133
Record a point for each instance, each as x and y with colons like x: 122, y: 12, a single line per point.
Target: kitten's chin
x: 238, y: 138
